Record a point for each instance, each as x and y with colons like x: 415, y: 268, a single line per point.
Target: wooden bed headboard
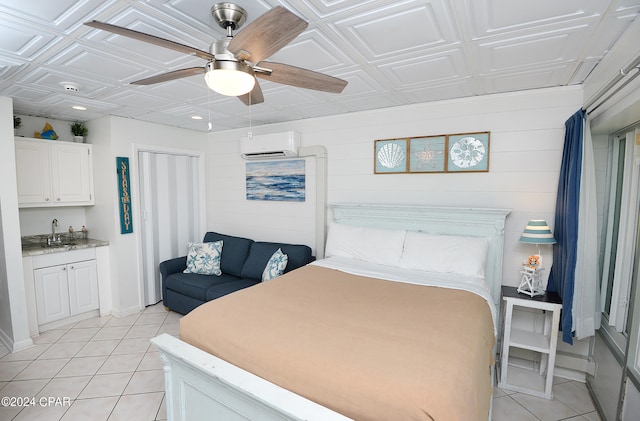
x: 469, y: 222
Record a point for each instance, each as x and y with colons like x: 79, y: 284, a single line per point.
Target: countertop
x: 37, y: 244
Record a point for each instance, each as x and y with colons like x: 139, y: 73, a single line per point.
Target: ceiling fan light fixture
x: 230, y: 78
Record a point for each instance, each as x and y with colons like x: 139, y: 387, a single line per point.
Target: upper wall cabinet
x: 53, y: 173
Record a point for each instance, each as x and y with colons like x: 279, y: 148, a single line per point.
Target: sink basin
x: 62, y: 244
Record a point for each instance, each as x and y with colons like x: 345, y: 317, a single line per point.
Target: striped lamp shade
x: 537, y: 232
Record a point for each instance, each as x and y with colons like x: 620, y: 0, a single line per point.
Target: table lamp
x: 536, y: 232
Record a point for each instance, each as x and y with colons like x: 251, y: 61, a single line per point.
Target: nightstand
x: 537, y: 383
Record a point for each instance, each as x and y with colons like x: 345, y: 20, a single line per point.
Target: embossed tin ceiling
x: 391, y: 53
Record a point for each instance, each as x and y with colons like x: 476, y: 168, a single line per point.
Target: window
x: 619, y: 235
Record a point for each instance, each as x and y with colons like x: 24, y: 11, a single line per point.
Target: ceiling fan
x: 234, y: 62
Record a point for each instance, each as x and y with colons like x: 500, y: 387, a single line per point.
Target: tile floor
x: 105, y: 368
x: 571, y: 402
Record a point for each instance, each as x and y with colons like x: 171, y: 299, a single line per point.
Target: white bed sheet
x: 477, y: 285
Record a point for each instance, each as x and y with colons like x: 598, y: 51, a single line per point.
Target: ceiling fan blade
x: 254, y: 97
x: 152, y: 39
x: 165, y: 77
x: 266, y: 35
x: 302, y: 78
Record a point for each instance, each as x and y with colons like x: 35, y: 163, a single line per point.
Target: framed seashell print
x: 468, y: 152
x: 427, y: 154
x: 463, y: 152
x: 390, y: 156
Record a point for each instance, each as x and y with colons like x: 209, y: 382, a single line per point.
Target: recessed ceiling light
x: 196, y: 117
x: 79, y: 107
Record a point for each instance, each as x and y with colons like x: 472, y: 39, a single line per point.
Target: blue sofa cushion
x: 234, y: 251
x: 260, y: 253
x: 195, y: 285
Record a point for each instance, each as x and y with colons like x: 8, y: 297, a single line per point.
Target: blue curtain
x: 562, y: 275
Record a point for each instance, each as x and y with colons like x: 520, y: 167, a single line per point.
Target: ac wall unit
x: 267, y: 146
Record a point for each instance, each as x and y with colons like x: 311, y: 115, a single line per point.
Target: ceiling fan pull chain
x: 209, y: 125
x: 250, y: 134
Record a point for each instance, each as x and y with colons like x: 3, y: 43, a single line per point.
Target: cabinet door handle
x: 72, y: 267
x: 58, y: 199
x: 64, y: 268
x: 47, y: 199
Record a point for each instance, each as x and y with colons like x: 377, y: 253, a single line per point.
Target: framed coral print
x: 427, y: 154
x: 390, y: 156
x: 468, y: 152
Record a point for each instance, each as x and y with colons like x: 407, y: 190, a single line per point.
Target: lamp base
x: 531, y: 282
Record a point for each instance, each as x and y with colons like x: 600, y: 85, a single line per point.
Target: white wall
x: 32, y: 124
x: 115, y: 137
x: 14, y: 328
x: 34, y: 221
x: 527, y: 137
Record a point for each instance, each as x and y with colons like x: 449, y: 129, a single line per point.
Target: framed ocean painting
x: 276, y: 180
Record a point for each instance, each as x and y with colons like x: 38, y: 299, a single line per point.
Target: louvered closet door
x: 170, y: 210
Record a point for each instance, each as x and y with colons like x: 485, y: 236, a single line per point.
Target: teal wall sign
x: 124, y: 196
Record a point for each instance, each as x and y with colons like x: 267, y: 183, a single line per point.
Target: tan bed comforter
x: 367, y: 348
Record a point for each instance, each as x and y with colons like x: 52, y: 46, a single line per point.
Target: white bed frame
x: 200, y: 386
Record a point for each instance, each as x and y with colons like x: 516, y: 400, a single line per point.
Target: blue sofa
x: 242, y: 263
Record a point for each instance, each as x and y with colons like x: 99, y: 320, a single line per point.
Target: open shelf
x: 530, y: 340
x: 524, y: 380
x: 535, y: 379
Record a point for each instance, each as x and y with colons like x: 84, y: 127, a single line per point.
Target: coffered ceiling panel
x: 325, y: 8
x: 439, y: 68
x: 312, y: 50
x: 529, y: 79
x: 20, y: 42
x: 360, y: 82
x: 53, y: 80
x: 399, y: 29
x: 529, y: 51
x: 461, y: 88
x: 193, y: 89
x: 93, y: 62
x: 390, y: 52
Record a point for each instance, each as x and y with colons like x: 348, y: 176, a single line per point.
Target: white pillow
x: 275, y: 266
x: 204, y: 258
x: 369, y: 244
x: 445, y: 253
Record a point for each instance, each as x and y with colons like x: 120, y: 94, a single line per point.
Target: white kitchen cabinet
x: 66, y: 290
x: 53, y: 173
x: 81, y: 295
x: 32, y: 167
x: 83, y: 287
x: 52, y: 294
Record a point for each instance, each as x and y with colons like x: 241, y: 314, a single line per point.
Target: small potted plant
x: 79, y: 131
x: 17, y: 122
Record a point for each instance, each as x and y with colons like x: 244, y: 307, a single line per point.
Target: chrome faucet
x: 54, y: 238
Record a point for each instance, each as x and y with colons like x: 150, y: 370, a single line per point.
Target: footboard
x: 200, y: 386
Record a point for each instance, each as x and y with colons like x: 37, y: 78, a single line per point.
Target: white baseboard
x: 67, y: 321
x: 120, y: 313
x: 12, y: 346
x: 6, y: 340
x: 22, y: 345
